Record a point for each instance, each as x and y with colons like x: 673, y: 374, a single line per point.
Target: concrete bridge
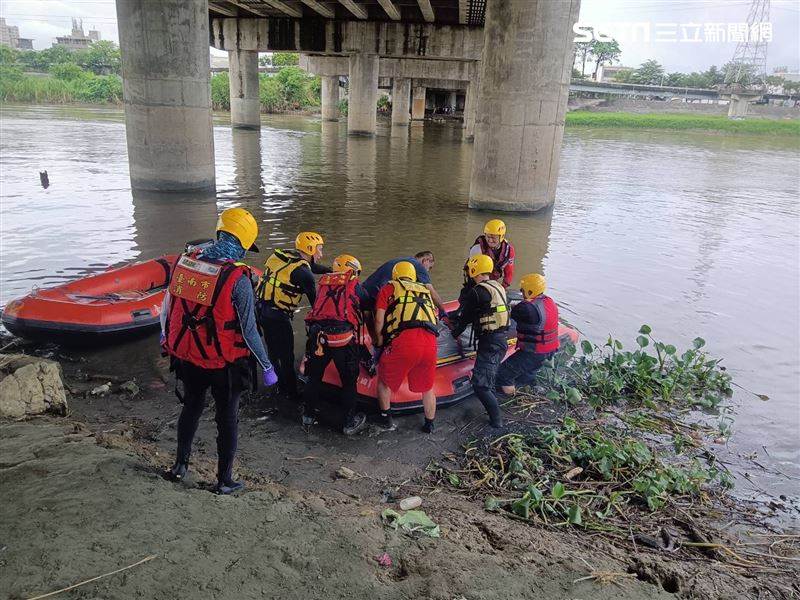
x: 513, y: 58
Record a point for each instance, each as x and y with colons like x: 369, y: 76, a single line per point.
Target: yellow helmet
x: 480, y: 264
x: 495, y: 227
x: 532, y: 285
x: 346, y: 262
x: 307, y: 241
x: 241, y: 224
x: 404, y: 270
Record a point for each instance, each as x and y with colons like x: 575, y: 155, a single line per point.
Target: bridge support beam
x: 362, y: 108
x: 418, y: 103
x: 330, y: 98
x: 167, y: 93
x: 524, y: 85
x: 401, y: 101
x: 245, y: 104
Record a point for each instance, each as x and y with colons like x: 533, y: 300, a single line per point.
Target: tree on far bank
x: 582, y: 52
x: 604, y: 52
x: 102, y: 57
x: 285, y: 59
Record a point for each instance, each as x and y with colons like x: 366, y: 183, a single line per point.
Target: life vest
x: 542, y: 338
x: 337, y: 300
x: 500, y: 256
x: 202, y: 326
x: 495, y: 317
x: 411, y: 306
x: 276, y: 287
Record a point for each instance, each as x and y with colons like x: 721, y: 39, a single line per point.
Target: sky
x: 667, y: 20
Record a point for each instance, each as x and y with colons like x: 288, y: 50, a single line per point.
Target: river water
x: 691, y: 233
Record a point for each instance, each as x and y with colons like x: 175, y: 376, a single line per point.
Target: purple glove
x: 270, y: 377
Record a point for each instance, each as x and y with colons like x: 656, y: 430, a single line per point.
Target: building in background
x: 9, y: 36
x: 77, y: 39
x: 606, y: 73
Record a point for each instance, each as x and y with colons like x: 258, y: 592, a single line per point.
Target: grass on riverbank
x: 623, y: 120
x: 89, y: 88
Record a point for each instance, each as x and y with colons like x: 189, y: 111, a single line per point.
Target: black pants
x: 279, y: 337
x: 520, y: 368
x: 346, y: 360
x: 492, y: 348
x: 226, y: 386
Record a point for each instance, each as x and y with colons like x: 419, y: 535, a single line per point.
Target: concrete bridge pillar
x: 401, y: 99
x: 470, y: 101
x: 362, y: 107
x: 418, y: 103
x: 167, y: 96
x: 737, y: 108
x: 245, y: 104
x: 330, y: 98
x: 526, y: 67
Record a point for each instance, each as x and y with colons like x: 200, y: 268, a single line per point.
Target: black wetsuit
x: 476, y: 302
x: 276, y: 326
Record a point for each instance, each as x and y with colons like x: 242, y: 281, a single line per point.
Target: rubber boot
x: 429, y: 426
x: 386, y: 422
x: 489, y: 402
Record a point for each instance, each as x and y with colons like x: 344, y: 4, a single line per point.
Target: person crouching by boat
x: 537, y: 335
x: 209, y: 330
x: 288, y: 275
x: 335, y: 333
x: 405, y: 320
x: 485, y: 307
x: 493, y: 243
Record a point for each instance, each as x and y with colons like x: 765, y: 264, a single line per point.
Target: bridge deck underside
x: 444, y: 12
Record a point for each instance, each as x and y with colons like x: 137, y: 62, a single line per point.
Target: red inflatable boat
x: 453, y: 370
x: 118, y: 301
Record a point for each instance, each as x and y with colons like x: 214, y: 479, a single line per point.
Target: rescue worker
x: 485, y: 308
x: 335, y: 333
x: 423, y: 262
x: 288, y: 275
x: 537, y: 335
x: 493, y: 243
x: 405, y: 320
x: 209, y: 330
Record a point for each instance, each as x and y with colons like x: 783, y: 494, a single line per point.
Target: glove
x: 442, y: 314
x: 270, y: 377
x: 162, y: 343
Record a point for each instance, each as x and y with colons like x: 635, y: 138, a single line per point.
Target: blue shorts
x: 520, y: 368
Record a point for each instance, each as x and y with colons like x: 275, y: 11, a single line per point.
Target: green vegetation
x: 70, y: 76
x: 683, y: 121
x: 620, y: 457
x: 290, y: 89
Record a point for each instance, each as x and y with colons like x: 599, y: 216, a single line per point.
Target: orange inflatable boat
x: 453, y: 370
x: 119, y: 301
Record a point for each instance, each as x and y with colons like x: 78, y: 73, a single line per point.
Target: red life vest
x: 337, y: 301
x: 202, y: 326
x: 500, y: 256
x: 543, y: 337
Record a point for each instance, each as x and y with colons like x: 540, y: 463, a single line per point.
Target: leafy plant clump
x: 654, y: 374
x: 590, y: 476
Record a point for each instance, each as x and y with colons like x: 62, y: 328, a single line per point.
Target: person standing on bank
x: 288, y: 276
x: 209, y: 329
x: 537, y: 335
x: 335, y: 333
x: 405, y: 320
x: 485, y: 307
x: 493, y: 243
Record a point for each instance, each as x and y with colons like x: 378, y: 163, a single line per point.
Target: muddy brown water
x: 693, y: 233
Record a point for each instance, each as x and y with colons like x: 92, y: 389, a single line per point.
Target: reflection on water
x: 692, y: 233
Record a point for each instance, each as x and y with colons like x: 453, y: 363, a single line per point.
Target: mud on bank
x: 84, y: 495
